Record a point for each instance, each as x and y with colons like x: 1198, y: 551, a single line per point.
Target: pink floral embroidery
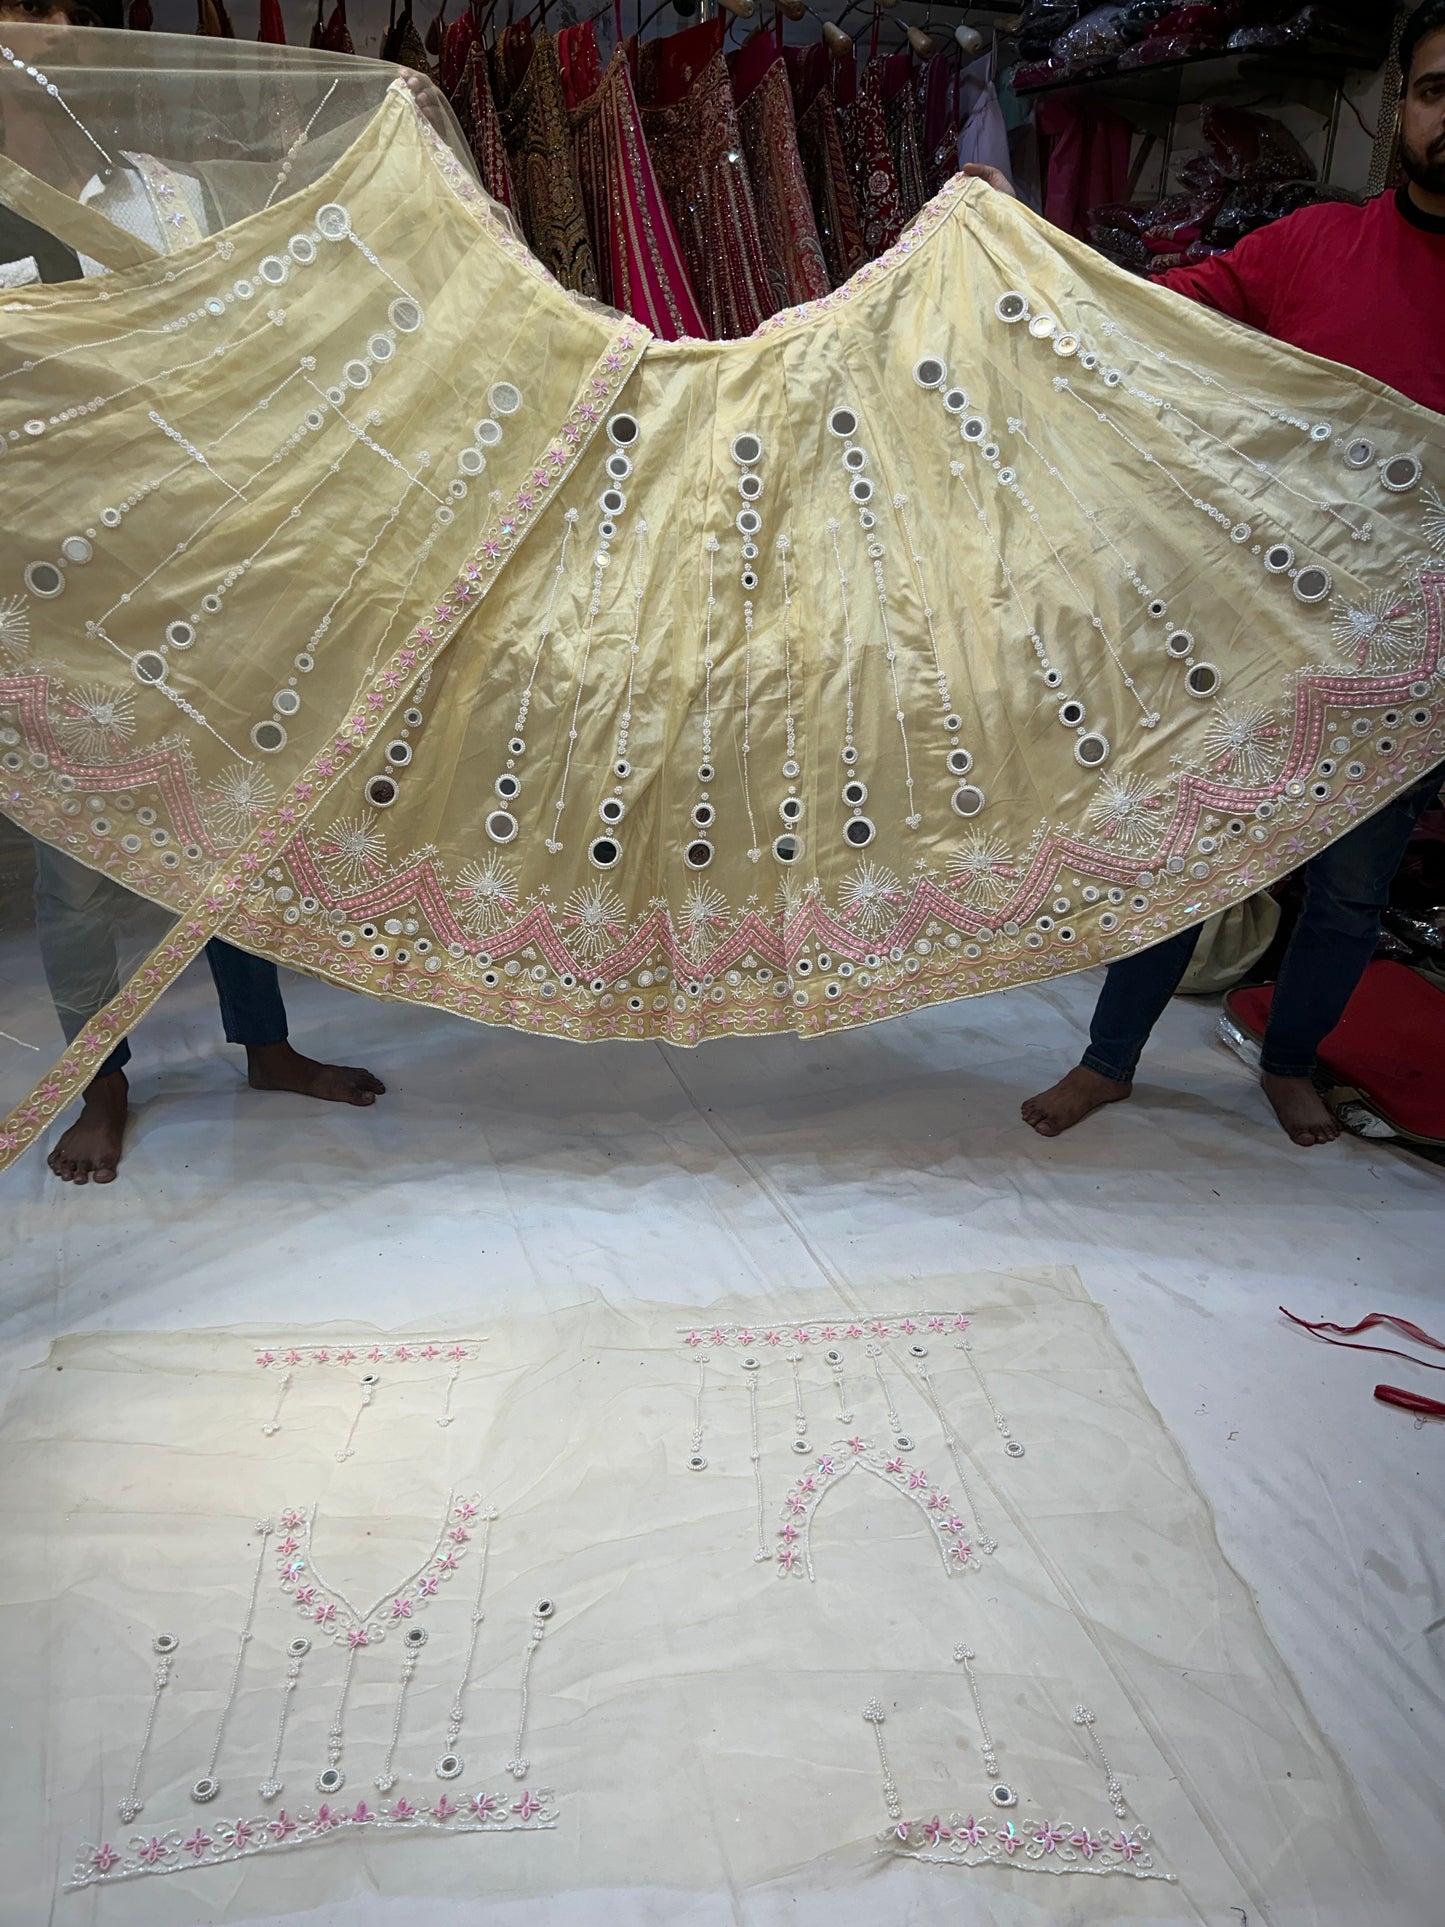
x: 880, y: 1328
x: 197, y: 1844
x: 288, y: 1545
x: 305, y: 1595
x: 972, y: 1832
x: 1086, y: 1843
x: 938, y: 1502
x: 908, y: 1326
x: 362, y: 1814
x: 430, y: 1352
x: 266, y: 1358
x: 960, y: 1323
x: 293, y: 1358
x: 827, y: 1467
x: 745, y: 1338
x: 358, y: 1637
x: 955, y: 1526
x: 807, y: 1483
x: 1127, y: 1847
x: 788, y: 1533
x: 1009, y: 1839
x: 486, y: 1806
x: 893, y: 1465
x: 428, y: 1586
x: 403, y: 1351
x: 104, y: 1858
x: 401, y: 1609
x: 444, y: 1809
x: 828, y: 1331
x: 293, y: 1519
x: 796, y: 1503
x: 858, y: 1445
x: 802, y: 1336
x: 934, y: 1830
x: 346, y: 1358
x: 854, y: 1331
x: 901, y: 1831
x: 459, y: 1535
x: 960, y: 1551
x: 322, y: 1357
x: 324, y: 1613
x: 935, y: 1324
x: 282, y: 1827
x: 772, y: 1338
x: 447, y: 1562
x: 326, y: 1819
x: 917, y: 1481
x: 403, y: 1810
x: 693, y: 1338
x: 1049, y: 1836
x: 459, y: 1352
x: 719, y: 1336
x: 154, y: 1851
x: 528, y: 1804
x: 788, y: 1558
x: 376, y: 1354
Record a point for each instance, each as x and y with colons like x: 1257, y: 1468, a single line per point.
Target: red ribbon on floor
x: 1415, y: 1402
x: 1322, y: 1328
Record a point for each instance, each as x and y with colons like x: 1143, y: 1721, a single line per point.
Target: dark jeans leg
x: 1136, y: 989
x: 249, y: 990
x: 75, y: 916
x: 1346, y: 889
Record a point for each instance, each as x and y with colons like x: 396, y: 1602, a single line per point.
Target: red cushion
x: 1390, y: 1044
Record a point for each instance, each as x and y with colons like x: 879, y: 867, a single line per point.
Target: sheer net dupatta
x: 234, y: 542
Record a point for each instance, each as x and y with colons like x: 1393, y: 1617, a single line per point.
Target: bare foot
x: 89, y: 1152
x: 1070, y: 1101
x: 1301, y: 1110
x: 276, y: 1067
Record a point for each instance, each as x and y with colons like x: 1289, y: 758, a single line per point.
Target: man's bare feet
x: 1301, y: 1110
x: 276, y: 1067
x: 89, y: 1151
x: 1070, y: 1101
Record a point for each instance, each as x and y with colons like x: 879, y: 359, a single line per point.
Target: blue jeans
x: 1347, y: 888
x: 76, y: 913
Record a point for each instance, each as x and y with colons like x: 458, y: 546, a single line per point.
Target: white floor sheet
x: 499, y: 1169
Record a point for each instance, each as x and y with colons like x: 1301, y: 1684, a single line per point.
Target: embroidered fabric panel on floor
x: 987, y: 618
x: 850, y: 1585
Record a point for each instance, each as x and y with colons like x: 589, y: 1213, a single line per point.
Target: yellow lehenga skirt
x: 370, y: 599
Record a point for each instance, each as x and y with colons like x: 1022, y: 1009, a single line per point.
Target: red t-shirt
x: 1360, y: 285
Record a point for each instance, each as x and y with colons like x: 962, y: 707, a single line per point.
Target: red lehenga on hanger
x: 457, y: 42
x: 533, y: 112
x: 797, y: 270
x: 476, y: 112
x: 333, y: 35
x: 936, y: 95
x: 895, y: 87
x: 692, y: 132
x: 639, y: 257
x: 825, y: 167
x: 870, y: 161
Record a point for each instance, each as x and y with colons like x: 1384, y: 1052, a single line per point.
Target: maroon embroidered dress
x: 639, y: 257
x: 825, y: 167
x: 533, y: 115
x: 936, y: 91
x: 865, y: 142
x: 900, y: 118
x: 476, y: 112
x: 797, y: 270
x: 692, y: 132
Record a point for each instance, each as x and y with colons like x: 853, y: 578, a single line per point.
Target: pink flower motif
x: 458, y: 1352
x: 401, y: 1608
x: 955, y: 1526
x: 960, y: 1552
x: 282, y: 1827
x: 1086, y: 1843
x: 428, y: 1586
x: 772, y: 1338
x: 796, y: 1503
x: 459, y: 1536
x: 788, y: 1558
x: 486, y: 1806
x: 719, y: 1336
x: 745, y: 1338
x: 527, y: 1805
x: 326, y: 1819
x: 901, y: 1830
x: 324, y: 1613
x: 828, y: 1331
x: 293, y: 1358
x: 935, y: 1324
x: 266, y: 1358
x: 403, y: 1810
x: 403, y: 1351
x: 858, y: 1445
x: 464, y: 1509
x: 154, y: 1851
x: 305, y: 1595
x: 104, y: 1858
x: 197, y: 1844
x: 1127, y: 1847
x: 357, y: 1638
x: 934, y: 1830
x: 1048, y: 1836
x: 908, y: 1326
x: 827, y: 1467
x: 802, y: 1335
x: 854, y: 1331
x: 893, y: 1465
x: 376, y: 1354
x: 236, y: 1833
x: 430, y: 1352
x: 972, y: 1832
x: 293, y: 1519
x: 917, y: 1481
x: 1009, y: 1838
x: 447, y: 1562
x: 347, y: 1357
x: 807, y: 1483
x: 444, y: 1809
x: 788, y: 1532
x: 693, y: 1338
x: 880, y: 1328
x: 362, y: 1814
x: 288, y: 1545
x: 938, y: 1502
x: 960, y: 1323
x: 322, y: 1357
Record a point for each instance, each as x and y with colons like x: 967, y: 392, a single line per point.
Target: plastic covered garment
x: 373, y: 602
x: 634, y: 243
x: 929, y: 1575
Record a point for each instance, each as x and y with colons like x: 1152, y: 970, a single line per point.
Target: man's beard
x: 1426, y: 169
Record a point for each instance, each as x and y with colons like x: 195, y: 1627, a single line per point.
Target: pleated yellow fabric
x: 366, y: 596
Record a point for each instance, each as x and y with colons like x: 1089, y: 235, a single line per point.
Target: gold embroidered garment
x: 367, y: 597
